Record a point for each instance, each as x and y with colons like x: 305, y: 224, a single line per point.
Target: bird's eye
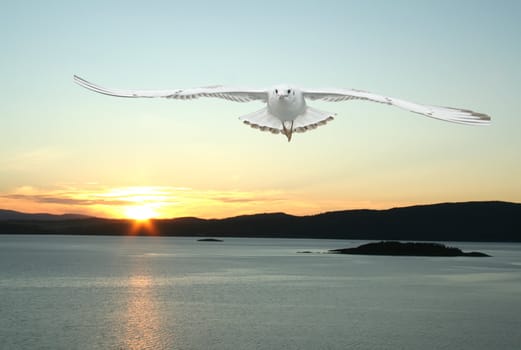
x: 289, y: 91
x: 276, y: 91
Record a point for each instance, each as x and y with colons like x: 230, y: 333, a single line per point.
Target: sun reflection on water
x: 142, y: 323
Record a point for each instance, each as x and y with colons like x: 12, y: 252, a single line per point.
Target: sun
x: 140, y: 213
x: 141, y: 224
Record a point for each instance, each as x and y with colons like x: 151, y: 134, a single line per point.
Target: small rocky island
x: 406, y: 249
x: 209, y: 240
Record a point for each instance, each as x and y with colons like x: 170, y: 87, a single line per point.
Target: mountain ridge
x: 451, y: 221
x: 6, y: 214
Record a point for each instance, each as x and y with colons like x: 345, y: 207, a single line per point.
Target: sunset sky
x: 64, y: 149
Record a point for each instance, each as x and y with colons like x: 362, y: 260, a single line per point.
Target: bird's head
x: 283, y: 92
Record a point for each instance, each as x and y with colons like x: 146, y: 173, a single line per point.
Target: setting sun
x: 140, y: 213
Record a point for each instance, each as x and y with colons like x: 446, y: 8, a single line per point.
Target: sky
x: 64, y: 149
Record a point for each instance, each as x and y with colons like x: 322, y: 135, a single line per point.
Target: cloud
x: 234, y: 200
x: 166, y: 201
x: 65, y: 200
x: 247, y: 198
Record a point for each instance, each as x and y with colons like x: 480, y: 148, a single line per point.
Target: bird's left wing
x: 455, y: 115
x: 227, y: 93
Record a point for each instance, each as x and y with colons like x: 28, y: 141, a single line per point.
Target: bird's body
x: 286, y: 109
x: 285, y: 102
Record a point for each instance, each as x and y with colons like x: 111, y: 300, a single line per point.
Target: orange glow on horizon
x: 143, y: 203
x: 143, y: 227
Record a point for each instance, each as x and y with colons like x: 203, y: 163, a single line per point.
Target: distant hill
x: 16, y: 215
x: 468, y: 221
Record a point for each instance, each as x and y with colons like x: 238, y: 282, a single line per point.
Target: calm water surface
x: 63, y: 292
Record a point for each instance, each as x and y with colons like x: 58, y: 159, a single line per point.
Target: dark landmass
x: 406, y: 249
x: 209, y: 240
x: 468, y: 221
x: 15, y: 215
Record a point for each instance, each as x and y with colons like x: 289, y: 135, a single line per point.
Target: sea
x: 107, y: 292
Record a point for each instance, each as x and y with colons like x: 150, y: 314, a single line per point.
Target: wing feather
x: 217, y: 91
x: 455, y: 115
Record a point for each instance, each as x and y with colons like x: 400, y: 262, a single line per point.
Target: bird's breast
x: 286, y: 109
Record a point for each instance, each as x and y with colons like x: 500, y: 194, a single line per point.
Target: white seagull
x: 286, y: 109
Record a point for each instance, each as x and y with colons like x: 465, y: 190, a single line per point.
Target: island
x: 209, y: 240
x: 406, y: 249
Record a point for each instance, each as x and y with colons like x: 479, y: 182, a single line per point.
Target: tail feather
x: 263, y: 120
x: 311, y: 119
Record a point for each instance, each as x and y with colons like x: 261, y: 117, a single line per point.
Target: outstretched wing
x: 227, y: 93
x: 455, y: 115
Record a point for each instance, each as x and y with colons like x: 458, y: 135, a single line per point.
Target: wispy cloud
x: 235, y: 200
x: 166, y: 201
x: 64, y: 200
x: 170, y: 201
x: 246, y: 197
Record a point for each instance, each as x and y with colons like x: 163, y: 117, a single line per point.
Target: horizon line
x: 85, y: 216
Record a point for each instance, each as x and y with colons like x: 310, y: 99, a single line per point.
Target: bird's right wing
x: 455, y: 115
x: 218, y: 91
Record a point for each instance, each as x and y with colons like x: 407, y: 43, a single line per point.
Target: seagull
x: 286, y: 109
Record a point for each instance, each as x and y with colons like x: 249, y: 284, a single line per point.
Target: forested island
x: 395, y: 248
